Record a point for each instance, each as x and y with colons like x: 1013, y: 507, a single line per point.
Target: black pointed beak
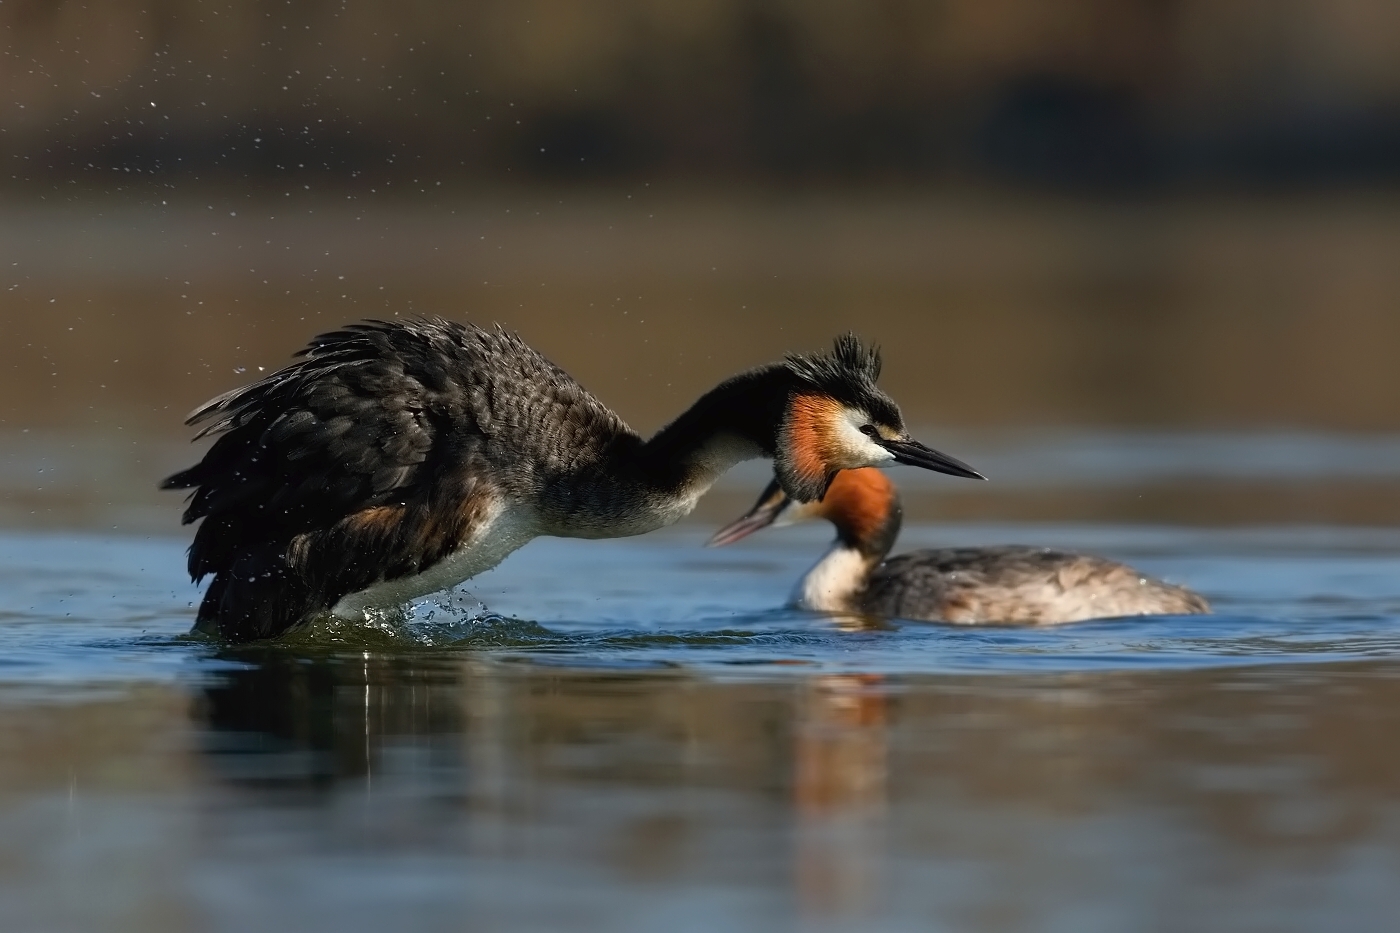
x: 913, y: 453
x: 769, y: 506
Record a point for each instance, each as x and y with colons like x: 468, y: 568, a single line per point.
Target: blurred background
x: 1135, y: 259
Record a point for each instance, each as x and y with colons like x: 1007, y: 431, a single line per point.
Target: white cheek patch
x: 855, y: 447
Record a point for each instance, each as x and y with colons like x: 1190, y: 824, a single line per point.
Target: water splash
x: 456, y: 619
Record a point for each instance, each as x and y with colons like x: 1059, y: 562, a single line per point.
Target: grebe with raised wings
x: 397, y: 459
x: 967, y: 585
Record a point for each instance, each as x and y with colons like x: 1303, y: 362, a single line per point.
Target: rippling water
x: 633, y: 734
x: 104, y: 609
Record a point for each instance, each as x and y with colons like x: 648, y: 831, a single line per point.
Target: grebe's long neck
x: 639, y: 486
x: 737, y: 420
x: 837, y: 580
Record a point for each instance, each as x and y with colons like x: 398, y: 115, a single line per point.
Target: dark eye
x: 869, y: 430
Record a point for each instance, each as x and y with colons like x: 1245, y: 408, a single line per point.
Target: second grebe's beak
x: 911, y: 452
x: 770, y: 505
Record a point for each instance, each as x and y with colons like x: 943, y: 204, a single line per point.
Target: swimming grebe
x: 964, y: 585
x: 397, y: 459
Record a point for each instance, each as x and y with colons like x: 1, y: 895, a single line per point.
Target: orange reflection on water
x: 840, y: 781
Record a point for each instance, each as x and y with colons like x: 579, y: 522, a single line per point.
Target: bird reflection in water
x: 840, y: 794
x: 446, y: 753
x: 278, y: 721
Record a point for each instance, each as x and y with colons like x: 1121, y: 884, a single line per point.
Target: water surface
x: 638, y: 736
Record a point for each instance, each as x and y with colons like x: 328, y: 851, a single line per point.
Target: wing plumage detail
x: 368, y: 459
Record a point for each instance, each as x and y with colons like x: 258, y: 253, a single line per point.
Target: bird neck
x: 873, y: 533
x: 737, y: 420
x: 639, y: 486
x: 836, y: 581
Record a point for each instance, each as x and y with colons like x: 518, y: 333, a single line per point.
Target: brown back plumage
x: 368, y: 459
x: 1018, y: 584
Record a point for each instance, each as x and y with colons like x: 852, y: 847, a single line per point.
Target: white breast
x: 506, y: 528
x: 832, y: 584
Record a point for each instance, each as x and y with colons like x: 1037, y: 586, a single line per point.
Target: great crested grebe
x: 967, y: 585
x: 397, y: 459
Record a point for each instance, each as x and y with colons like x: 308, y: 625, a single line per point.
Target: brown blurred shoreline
x: 992, y: 311
x: 1263, y: 316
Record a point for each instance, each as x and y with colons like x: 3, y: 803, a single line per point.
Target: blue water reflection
x: 635, y: 734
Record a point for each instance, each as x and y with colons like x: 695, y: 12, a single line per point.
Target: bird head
x: 838, y: 419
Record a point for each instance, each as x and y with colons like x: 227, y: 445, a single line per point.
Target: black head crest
x: 848, y: 374
x: 848, y: 363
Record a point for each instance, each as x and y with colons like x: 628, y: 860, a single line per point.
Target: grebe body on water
x: 970, y: 585
x: 397, y: 459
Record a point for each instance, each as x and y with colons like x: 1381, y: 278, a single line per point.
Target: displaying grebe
x: 397, y: 459
x: 964, y: 585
